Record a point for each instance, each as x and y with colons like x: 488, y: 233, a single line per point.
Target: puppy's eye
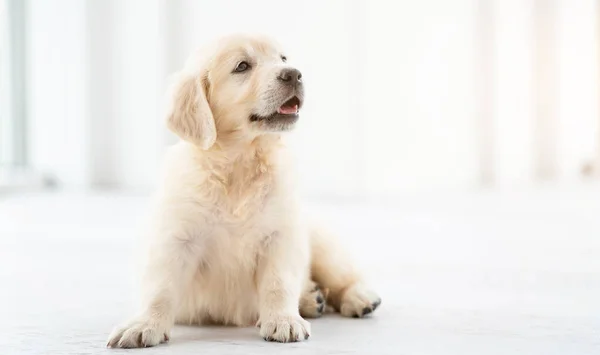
x: 241, y: 67
x: 283, y: 58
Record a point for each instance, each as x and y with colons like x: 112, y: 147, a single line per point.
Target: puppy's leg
x: 281, y: 274
x: 333, y: 270
x: 312, y: 301
x: 171, y: 264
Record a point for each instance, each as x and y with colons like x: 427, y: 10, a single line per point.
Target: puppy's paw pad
x: 358, y: 302
x: 312, y: 303
x: 284, y: 329
x: 138, y: 334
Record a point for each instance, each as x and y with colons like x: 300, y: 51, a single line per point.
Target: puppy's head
x: 239, y: 87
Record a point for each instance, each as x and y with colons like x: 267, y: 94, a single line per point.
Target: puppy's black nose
x: 290, y: 76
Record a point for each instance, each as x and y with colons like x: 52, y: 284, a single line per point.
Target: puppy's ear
x: 189, y: 114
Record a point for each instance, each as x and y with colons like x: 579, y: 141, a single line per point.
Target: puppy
x: 228, y: 243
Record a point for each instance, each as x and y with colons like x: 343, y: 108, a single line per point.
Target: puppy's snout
x: 290, y: 76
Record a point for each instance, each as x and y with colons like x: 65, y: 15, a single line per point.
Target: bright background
x: 454, y: 145
x: 420, y: 96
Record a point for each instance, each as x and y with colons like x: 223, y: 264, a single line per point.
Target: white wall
x: 419, y: 127
x: 514, y: 91
x: 418, y: 95
x: 5, y: 92
x: 578, y: 141
x: 95, y: 84
x: 57, y: 78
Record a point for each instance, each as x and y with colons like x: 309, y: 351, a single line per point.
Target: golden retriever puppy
x: 228, y: 243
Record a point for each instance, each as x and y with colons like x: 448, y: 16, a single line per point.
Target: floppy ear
x: 189, y: 114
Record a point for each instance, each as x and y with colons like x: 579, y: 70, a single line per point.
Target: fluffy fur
x: 228, y: 243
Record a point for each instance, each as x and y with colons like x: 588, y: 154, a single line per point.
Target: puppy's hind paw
x: 357, y: 302
x: 313, y: 303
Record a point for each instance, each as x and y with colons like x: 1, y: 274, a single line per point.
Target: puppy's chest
x: 245, y: 219
x: 244, y: 197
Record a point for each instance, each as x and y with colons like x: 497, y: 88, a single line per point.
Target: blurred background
x: 420, y: 96
x: 466, y: 150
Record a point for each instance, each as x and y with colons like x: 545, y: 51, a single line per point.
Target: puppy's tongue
x: 288, y: 110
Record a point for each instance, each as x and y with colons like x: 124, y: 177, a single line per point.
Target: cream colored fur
x: 228, y: 243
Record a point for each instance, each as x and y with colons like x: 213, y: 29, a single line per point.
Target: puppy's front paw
x: 140, y: 333
x: 357, y: 302
x: 284, y: 328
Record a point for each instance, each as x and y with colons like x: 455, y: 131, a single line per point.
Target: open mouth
x: 290, y: 107
x: 288, y: 111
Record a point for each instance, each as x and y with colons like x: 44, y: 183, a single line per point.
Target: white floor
x: 492, y: 273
